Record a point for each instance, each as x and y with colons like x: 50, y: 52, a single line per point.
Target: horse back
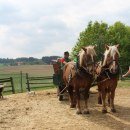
x: 68, y: 70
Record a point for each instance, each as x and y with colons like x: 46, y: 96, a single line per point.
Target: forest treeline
x: 28, y: 61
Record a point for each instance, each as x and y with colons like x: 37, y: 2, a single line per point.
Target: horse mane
x: 90, y: 50
x: 112, y: 50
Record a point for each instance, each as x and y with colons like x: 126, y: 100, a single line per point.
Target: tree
x: 100, y: 33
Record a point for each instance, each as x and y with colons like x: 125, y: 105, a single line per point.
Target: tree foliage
x: 100, y: 33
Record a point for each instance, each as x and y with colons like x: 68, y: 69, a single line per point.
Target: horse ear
x: 118, y: 45
x: 84, y: 49
x: 106, y: 46
x: 94, y: 47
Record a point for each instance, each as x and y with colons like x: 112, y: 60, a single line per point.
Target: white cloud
x: 37, y: 28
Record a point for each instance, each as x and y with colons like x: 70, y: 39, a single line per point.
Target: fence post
x: 21, y: 80
x: 28, y: 85
x: 12, y: 84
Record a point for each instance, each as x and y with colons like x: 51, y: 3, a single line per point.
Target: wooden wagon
x: 58, y: 79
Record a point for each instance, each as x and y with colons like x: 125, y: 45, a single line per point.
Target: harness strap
x: 63, y: 90
x: 107, y: 75
x: 103, y: 80
x: 67, y: 85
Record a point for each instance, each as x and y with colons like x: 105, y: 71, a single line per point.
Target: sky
x: 36, y: 28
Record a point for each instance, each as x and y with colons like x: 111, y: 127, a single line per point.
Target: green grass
x: 16, y: 80
x: 32, y: 70
x: 35, y: 70
x: 17, y: 83
x: 124, y: 83
x: 2, y: 65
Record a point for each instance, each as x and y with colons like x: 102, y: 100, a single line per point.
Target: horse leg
x: 104, y: 110
x: 112, y: 101
x: 99, y: 98
x: 99, y: 95
x: 74, y: 99
x: 109, y: 97
x: 78, y: 101
x: 70, y: 90
x: 86, y: 97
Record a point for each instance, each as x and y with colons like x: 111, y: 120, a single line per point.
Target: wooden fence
x: 8, y: 80
x: 37, y: 80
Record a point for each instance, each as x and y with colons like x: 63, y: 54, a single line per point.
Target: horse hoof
x: 86, y: 112
x: 113, y: 110
x: 104, y: 111
x: 60, y: 98
x: 78, y: 112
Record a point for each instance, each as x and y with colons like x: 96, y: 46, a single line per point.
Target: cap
x: 66, y: 52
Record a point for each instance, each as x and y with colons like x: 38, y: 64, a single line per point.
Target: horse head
x: 87, y: 58
x: 111, y: 57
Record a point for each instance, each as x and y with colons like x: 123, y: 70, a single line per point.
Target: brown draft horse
x: 80, y: 79
x: 108, y: 75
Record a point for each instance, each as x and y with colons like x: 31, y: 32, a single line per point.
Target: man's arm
x: 64, y: 62
x: 128, y: 73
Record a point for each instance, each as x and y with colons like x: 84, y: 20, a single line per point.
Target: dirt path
x: 44, y: 111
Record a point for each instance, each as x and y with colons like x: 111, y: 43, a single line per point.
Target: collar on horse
x: 79, y: 68
x: 105, y: 71
x: 83, y: 69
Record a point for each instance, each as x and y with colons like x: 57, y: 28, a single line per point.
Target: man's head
x: 66, y: 54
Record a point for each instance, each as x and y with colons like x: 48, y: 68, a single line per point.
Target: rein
x: 105, y: 68
x: 87, y: 65
x: 86, y: 70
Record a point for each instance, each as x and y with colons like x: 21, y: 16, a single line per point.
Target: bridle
x: 87, y: 65
x: 107, y: 66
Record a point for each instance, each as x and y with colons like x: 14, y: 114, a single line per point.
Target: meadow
x: 35, y: 70
x: 32, y: 70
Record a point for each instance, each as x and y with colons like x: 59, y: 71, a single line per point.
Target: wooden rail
x: 10, y: 80
x: 32, y: 80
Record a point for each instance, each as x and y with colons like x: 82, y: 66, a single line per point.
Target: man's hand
x: 124, y: 76
x: 64, y: 62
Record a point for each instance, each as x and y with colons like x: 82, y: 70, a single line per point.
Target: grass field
x: 44, y: 70
x: 32, y: 70
x: 35, y: 70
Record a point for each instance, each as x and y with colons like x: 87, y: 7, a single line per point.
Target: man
x: 128, y: 73
x: 62, y: 62
x: 66, y: 59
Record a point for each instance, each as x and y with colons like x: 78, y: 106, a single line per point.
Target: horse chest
x: 81, y: 82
